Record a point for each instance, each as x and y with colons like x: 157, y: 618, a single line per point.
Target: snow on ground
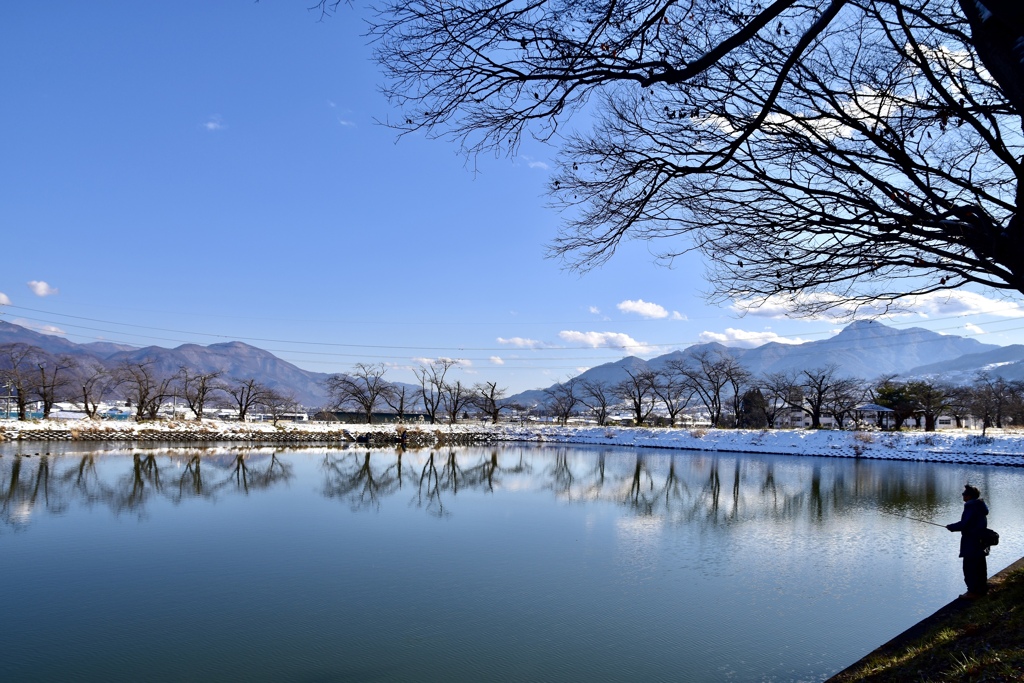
x: 996, y: 448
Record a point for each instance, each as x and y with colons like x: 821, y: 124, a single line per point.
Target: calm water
x: 518, y: 563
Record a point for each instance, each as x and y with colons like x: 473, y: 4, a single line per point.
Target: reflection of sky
x: 22, y: 513
x: 706, y: 551
x: 637, y: 543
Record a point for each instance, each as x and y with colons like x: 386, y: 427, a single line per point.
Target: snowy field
x: 996, y: 448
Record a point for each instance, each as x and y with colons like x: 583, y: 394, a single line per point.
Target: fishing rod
x: 916, y: 519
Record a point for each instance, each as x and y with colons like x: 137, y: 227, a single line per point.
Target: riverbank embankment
x: 965, y: 447
x: 966, y: 640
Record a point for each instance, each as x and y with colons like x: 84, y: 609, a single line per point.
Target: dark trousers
x: 976, y: 574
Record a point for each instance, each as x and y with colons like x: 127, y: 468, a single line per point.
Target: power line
x: 449, y: 349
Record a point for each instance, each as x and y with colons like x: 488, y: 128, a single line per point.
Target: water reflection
x: 518, y: 562
x: 679, y: 488
x: 127, y: 484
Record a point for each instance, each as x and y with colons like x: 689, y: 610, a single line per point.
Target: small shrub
x: 699, y: 433
x: 864, y: 437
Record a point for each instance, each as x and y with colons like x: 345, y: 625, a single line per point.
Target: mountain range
x: 233, y: 359
x: 864, y: 349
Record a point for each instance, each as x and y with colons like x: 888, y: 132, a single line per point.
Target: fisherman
x: 972, y: 522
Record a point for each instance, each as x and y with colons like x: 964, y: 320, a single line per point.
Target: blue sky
x: 203, y: 172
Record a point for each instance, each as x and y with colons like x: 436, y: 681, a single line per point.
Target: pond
x: 512, y: 563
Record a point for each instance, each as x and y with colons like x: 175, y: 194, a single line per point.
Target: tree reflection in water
x: 27, y: 488
x: 351, y: 476
x: 29, y: 485
x: 681, y: 488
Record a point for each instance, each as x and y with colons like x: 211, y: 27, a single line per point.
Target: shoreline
x: 913, y: 636
x: 960, y: 447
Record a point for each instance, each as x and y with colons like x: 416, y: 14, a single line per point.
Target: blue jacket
x: 972, y: 522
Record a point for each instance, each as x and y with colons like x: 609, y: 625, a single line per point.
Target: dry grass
x: 984, y: 642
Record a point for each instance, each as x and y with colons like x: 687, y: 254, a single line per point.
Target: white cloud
x: 40, y: 288
x: 643, y: 308
x: 43, y: 329
x: 961, y: 302
x: 745, y: 338
x: 497, y: 360
x: 520, y: 342
x: 214, y: 123
x: 646, y: 309
x: 341, y: 121
x: 534, y: 163
x: 942, y: 304
x: 595, y: 310
x: 4, y: 301
x: 607, y: 340
x: 973, y: 329
x: 461, y: 362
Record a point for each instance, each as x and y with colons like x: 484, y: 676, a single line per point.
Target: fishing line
x: 916, y: 519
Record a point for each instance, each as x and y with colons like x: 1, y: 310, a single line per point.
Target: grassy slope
x: 973, y: 641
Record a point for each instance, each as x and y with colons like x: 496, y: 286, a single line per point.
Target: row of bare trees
x: 32, y: 375
x: 716, y: 386
x: 436, y: 396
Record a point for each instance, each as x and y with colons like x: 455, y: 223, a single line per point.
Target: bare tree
x: 399, y: 398
x: 196, y: 388
x: 16, y: 372
x: 775, y: 396
x: 818, y: 385
x: 843, y: 398
x: 1015, y: 407
x: 363, y: 388
x: 958, y: 402
x: 988, y: 400
x: 139, y: 384
x: 598, y: 397
x: 737, y: 378
x: 637, y: 391
x: 490, y: 399
x: 562, y: 399
x: 707, y: 373
x: 95, y: 382
x: 932, y: 399
x: 431, y: 380
x: 52, y: 378
x: 853, y: 150
x: 673, y: 391
x: 245, y: 394
x: 455, y: 397
x: 277, y: 404
x: 806, y: 391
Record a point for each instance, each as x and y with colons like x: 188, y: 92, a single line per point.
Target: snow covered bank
x: 998, y: 448
x: 960, y: 447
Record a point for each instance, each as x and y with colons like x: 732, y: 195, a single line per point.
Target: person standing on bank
x: 972, y: 522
